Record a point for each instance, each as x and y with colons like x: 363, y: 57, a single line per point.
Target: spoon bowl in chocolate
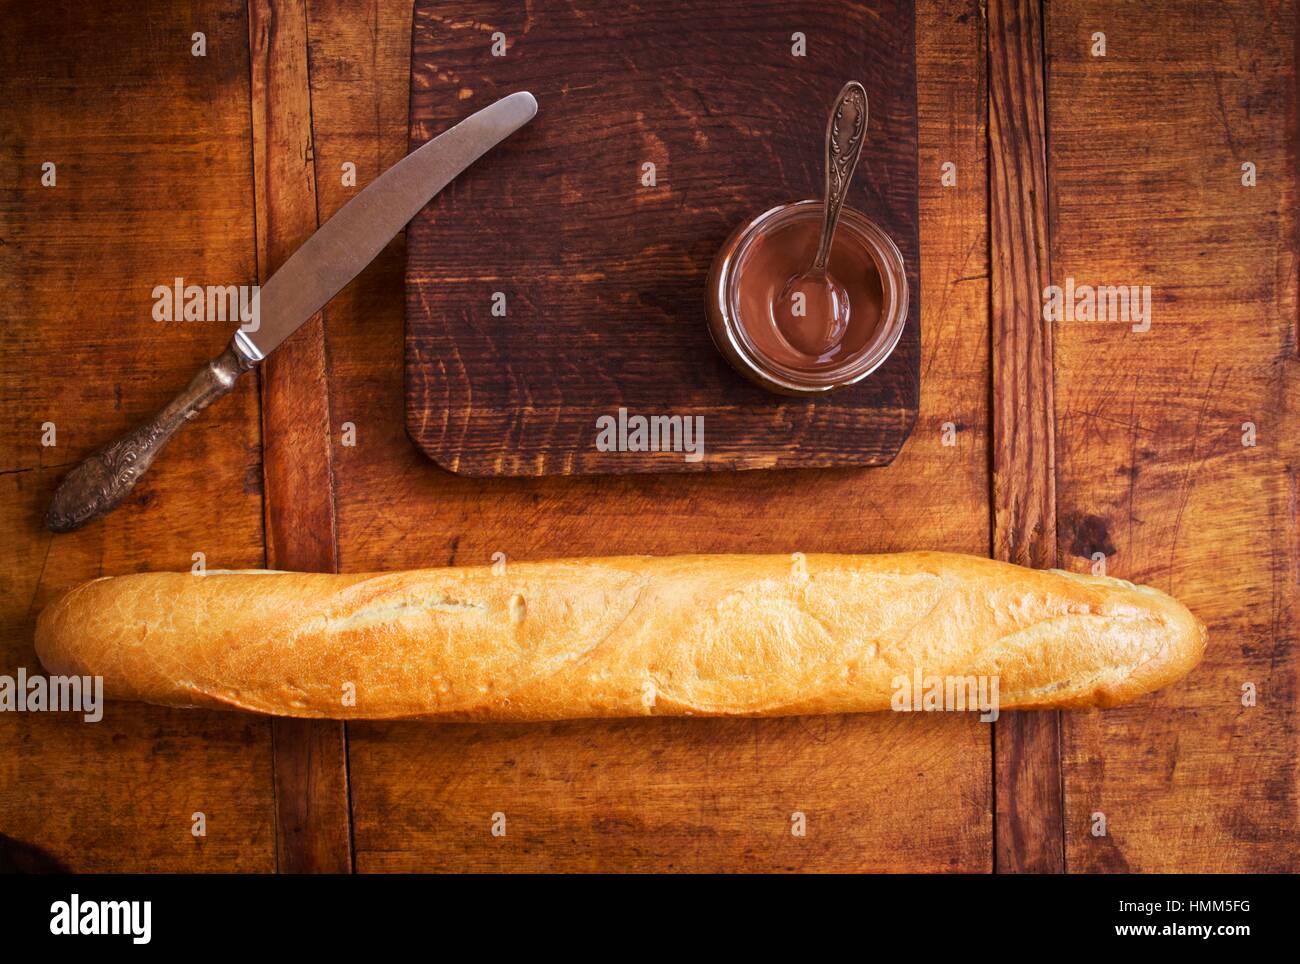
x: 813, y: 312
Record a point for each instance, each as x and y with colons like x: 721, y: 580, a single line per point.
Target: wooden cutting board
x: 559, y: 281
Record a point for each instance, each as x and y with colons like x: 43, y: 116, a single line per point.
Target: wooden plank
x: 604, y: 277
x: 153, y: 182
x: 1147, y: 147
x: 1028, y: 835
x: 880, y: 791
x: 313, y: 832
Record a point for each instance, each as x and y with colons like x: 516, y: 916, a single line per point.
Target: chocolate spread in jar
x: 780, y: 254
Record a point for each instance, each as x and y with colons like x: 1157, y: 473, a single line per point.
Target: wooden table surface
x: 1169, y: 453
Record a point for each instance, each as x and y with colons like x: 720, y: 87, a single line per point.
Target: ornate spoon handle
x: 845, y: 134
x: 96, y: 485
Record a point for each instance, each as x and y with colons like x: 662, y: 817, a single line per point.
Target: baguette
x: 728, y: 635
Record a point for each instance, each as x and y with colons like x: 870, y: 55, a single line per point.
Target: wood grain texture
x: 153, y: 182
x: 879, y: 792
x: 603, y: 276
x: 672, y: 795
x: 313, y: 832
x: 1029, y: 836
x: 1147, y: 147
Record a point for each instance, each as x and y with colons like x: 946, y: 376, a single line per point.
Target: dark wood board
x: 603, y: 276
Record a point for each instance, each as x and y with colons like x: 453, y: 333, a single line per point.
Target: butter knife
x: 314, y: 274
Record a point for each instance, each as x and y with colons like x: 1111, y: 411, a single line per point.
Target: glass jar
x: 745, y: 280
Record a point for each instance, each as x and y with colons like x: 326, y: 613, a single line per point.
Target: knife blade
x: 353, y: 237
x: 312, y: 275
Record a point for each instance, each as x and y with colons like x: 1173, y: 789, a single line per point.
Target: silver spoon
x: 812, y: 312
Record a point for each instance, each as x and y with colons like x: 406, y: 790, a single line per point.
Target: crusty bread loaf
x: 630, y: 636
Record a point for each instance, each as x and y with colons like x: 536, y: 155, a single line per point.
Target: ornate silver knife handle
x: 98, y: 484
x: 312, y: 275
